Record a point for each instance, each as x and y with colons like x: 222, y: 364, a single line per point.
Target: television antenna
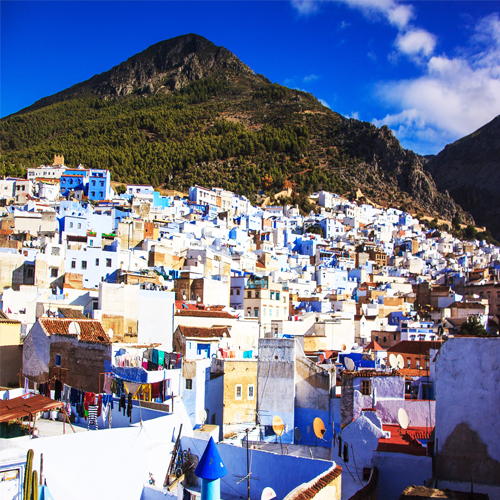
x: 393, y: 361
x: 279, y: 429
x: 74, y: 329
x: 203, y: 418
x: 349, y: 364
x: 401, y: 361
x: 319, y: 429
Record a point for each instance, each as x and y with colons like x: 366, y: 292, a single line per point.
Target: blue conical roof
x: 211, y: 465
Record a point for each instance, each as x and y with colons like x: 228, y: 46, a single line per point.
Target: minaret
x: 210, y: 469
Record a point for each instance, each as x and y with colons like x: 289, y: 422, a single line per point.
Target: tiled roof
x: 71, y: 313
x: 311, y: 489
x: 414, y: 372
x: 370, y: 373
x: 197, y: 332
x: 374, y: 346
x: 204, y: 314
x: 415, y: 346
x: 91, y: 330
x: 4, y: 319
x: 404, y: 441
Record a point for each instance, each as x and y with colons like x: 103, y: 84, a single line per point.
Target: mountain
x: 185, y: 112
x: 469, y: 170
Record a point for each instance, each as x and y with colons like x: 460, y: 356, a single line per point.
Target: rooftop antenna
x: 203, y: 418
x: 279, y: 428
x: 349, y: 364
x: 74, y: 329
x: 319, y: 429
x: 401, y: 361
x: 393, y: 361
x: 402, y: 419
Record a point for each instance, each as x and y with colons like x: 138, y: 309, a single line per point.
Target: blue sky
x: 429, y: 70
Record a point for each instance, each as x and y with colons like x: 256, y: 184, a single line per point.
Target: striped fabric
x: 92, y: 417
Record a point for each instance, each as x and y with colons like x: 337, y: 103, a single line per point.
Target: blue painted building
x: 99, y: 186
x: 75, y: 179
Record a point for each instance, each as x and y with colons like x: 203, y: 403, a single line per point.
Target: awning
x: 25, y: 405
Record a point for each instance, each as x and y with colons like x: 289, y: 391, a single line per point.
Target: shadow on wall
x: 464, y: 456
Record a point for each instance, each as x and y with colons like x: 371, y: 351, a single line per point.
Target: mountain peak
x: 163, y: 67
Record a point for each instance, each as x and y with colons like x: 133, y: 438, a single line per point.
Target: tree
x: 120, y: 189
x: 472, y: 327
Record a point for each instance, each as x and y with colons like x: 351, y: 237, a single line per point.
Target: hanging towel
x: 147, y: 354
x: 107, y: 384
x: 92, y: 417
x: 122, y: 405
x: 145, y: 364
x: 161, y: 357
x: 99, y: 404
x: 104, y: 412
x: 73, y: 397
x: 129, y: 407
x: 57, y: 394
x: 66, y: 393
x: 154, y: 358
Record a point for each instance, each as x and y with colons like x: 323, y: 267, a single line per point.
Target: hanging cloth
x: 161, y: 358
x: 129, y: 407
x: 92, y: 416
x: 107, y: 384
x: 57, y: 393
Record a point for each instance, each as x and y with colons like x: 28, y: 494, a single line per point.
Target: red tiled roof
x: 404, y: 440
x: 23, y: 406
x: 374, y: 346
x: 91, y: 330
x: 204, y: 314
x: 311, y: 489
x: 413, y: 372
x: 69, y: 313
x: 415, y: 346
x: 197, y: 332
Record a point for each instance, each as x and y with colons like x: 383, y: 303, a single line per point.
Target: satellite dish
x: 199, y: 258
x: 403, y: 418
x: 393, y: 361
x: 349, y: 364
x: 319, y: 428
x: 267, y: 494
x: 74, y: 329
x: 383, y: 366
x: 111, y: 333
x: 203, y: 417
x: 184, y: 297
x: 278, y: 426
x: 401, y: 361
x: 297, y: 434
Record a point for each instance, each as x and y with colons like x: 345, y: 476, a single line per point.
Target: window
x: 408, y: 362
x: 84, y: 264
x: 272, y: 295
x: 232, y: 290
x: 108, y: 262
x: 189, y: 384
x: 418, y: 363
x: 73, y: 264
x: 257, y: 294
x: 366, y: 387
x: 237, y: 291
x: 92, y: 193
x: 54, y: 271
x: 237, y: 394
x: 249, y: 294
x: 102, y: 183
x: 277, y: 296
x: 385, y: 339
x: 251, y: 389
x: 256, y: 312
x: 264, y: 311
x: 101, y: 193
x: 97, y: 262
x: 70, y: 224
x: 394, y: 336
x: 58, y: 360
x: 376, y: 338
x: 249, y: 312
x: 79, y: 226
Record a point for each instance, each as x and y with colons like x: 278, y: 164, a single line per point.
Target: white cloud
x: 305, y: 7
x: 398, y: 15
x: 372, y: 55
x: 416, y: 42
x: 322, y: 101
x: 310, y: 78
x: 453, y: 98
x: 343, y: 25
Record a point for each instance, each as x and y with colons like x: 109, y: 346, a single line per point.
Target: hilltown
x: 143, y: 337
